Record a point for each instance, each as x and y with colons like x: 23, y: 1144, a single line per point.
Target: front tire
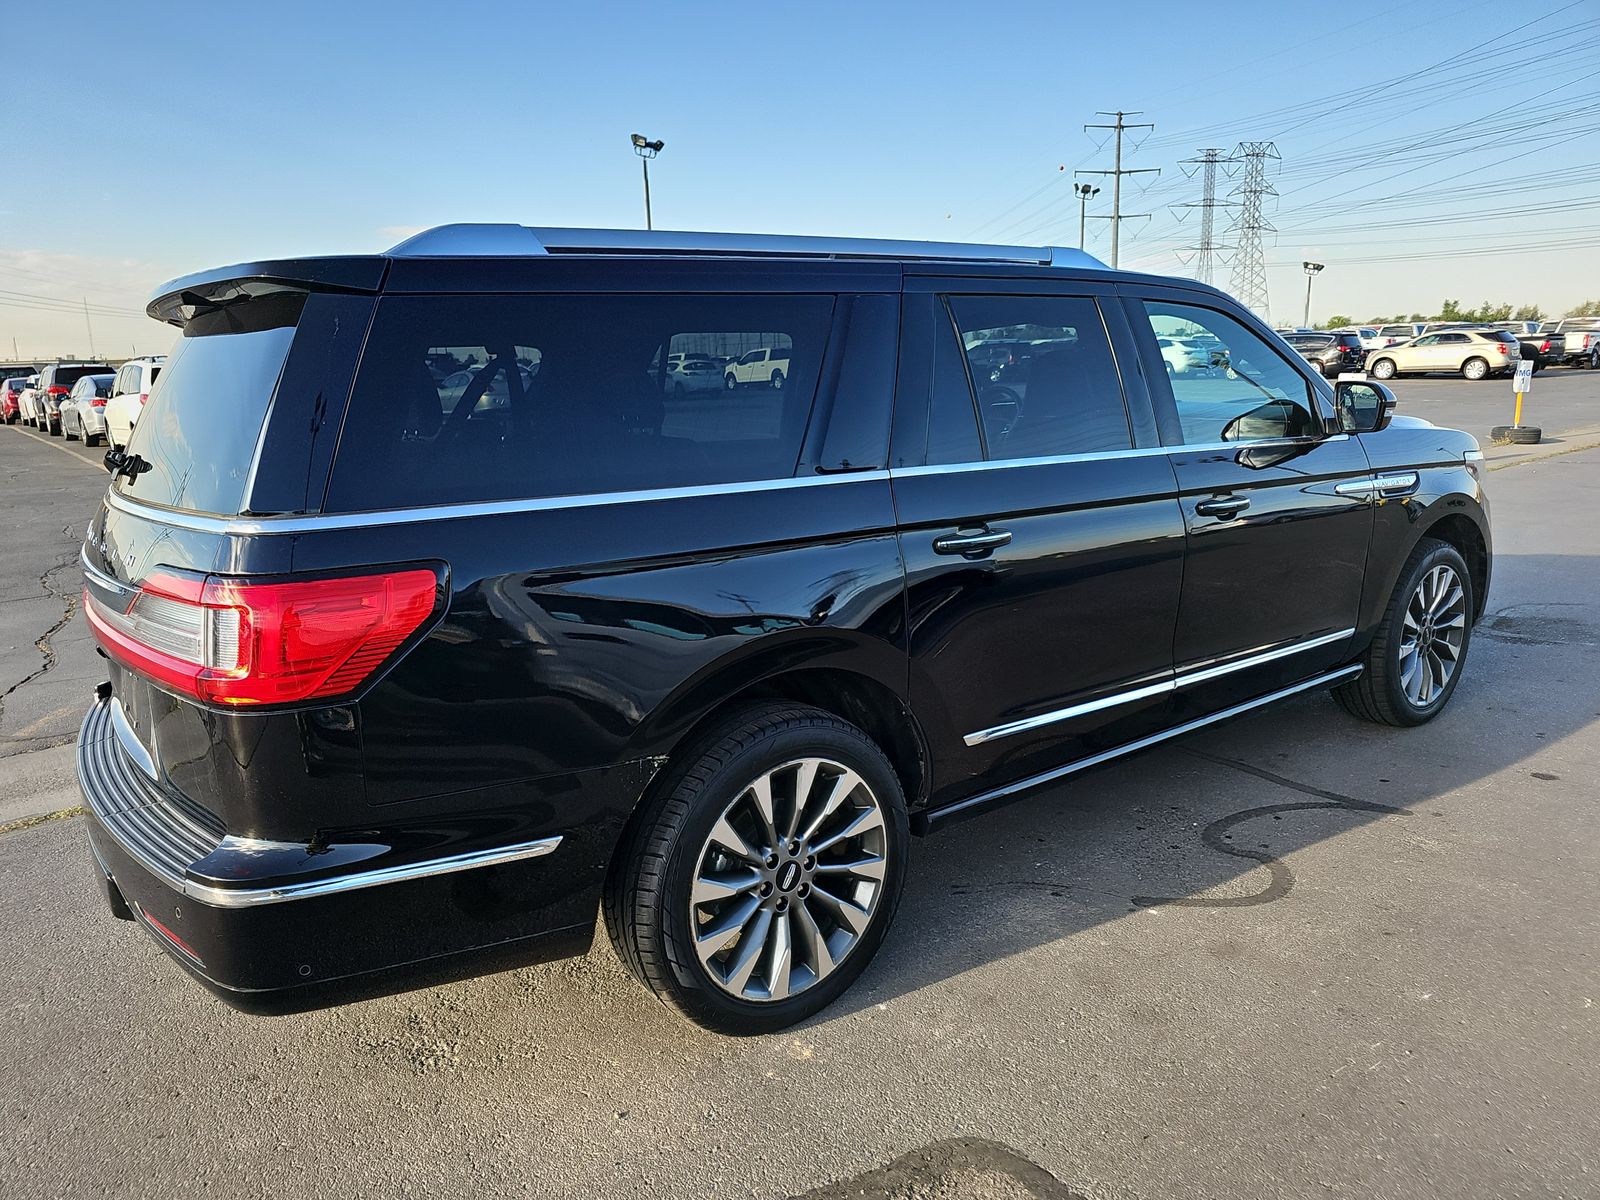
x: 1415, y: 660
x: 762, y: 877
x: 1383, y: 369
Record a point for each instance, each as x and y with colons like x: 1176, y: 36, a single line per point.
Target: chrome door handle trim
x: 1222, y: 506
x: 972, y: 543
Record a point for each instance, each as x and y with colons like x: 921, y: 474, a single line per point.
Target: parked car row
x: 94, y: 402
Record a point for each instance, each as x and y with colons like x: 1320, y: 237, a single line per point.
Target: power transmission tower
x: 1249, y: 267
x: 1117, y: 215
x: 1205, y: 252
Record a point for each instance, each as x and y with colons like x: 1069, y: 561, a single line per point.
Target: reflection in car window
x: 1045, y: 379
x: 1243, y: 390
x: 484, y: 398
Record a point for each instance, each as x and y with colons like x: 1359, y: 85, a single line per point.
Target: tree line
x: 1452, y: 311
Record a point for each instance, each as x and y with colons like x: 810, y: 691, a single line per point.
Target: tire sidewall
x: 1438, y: 554
x: 699, y: 995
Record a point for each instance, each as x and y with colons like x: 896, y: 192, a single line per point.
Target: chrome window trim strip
x: 311, y: 523
x: 334, y: 885
x: 1176, y: 683
x: 1097, y: 455
x: 1143, y: 743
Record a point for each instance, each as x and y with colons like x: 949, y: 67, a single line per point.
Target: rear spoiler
x: 177, y: 301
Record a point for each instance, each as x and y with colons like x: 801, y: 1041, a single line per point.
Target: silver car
x: 83, y: 412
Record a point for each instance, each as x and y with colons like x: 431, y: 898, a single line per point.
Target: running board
x: 927, y: 821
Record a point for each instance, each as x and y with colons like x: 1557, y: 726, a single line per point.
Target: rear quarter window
x: 474, y: 398
x: 198, y: 432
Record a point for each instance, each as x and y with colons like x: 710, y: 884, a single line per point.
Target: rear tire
x: 1475, y: 369
x: 1384, y: 369
x: 1425, y: 633
x: 776, y: 381
x: 673, y: 880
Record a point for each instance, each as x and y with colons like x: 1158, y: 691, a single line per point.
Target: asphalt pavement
x: 1296, y: 955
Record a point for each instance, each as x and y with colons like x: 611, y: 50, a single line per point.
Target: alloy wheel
x: 1430, y: 640
x: 789, y: 880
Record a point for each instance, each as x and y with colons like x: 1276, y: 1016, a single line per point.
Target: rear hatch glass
x: 199, y: 430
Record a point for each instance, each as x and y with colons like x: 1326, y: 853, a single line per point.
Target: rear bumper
x: 271, y: 926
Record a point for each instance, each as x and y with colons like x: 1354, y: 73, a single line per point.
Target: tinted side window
x: 461, y: 399
x: 1060, y: 393
x: 1247, y: 392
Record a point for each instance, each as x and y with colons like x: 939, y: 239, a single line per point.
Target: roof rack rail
x: 466, y: 241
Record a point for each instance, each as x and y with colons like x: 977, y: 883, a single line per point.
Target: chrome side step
x: 927, y: 821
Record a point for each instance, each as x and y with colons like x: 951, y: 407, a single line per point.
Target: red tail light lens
x: 238, y: 643
x: 57, y: 390
x: 143, y: 396
x: 97, y: 402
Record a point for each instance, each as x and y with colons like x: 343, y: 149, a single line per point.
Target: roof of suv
x: 467, y: 243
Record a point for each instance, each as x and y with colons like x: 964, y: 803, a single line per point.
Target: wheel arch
x: 1462, y: 532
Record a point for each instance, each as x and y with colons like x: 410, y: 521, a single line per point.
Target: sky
x: 1423, y: 151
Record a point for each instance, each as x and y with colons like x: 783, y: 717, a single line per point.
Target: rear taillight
x: 238, y: 643
x: 143, y: 396
x: 57, y: 390
x: 97, y: 402
x: 1502, y: 346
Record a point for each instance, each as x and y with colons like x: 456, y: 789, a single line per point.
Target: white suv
x: 134, y: 380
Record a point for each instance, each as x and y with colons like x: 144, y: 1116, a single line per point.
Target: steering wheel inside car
x: 1002, y: 411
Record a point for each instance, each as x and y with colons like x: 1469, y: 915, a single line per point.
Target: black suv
x: 1330, y: 353
x: 440, y: 621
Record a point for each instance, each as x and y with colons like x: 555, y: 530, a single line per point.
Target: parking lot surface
x: 1296, y: 955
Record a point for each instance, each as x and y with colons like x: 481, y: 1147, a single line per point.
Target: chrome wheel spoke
x: 871, y: 866
x: 820, y: 958
x: 852, y: 916
x: 724, y: 929
x: 725, y: 835
x: 843, y: 786
x: 760, y: 794
x: 780, y: 958
x: 805, y: 778
x: 742, y: 962
x: 712, y: 886
x: 866, y: 820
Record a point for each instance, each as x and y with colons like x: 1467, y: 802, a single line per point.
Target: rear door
x: 1039, y: 525
x: 1277, y: 519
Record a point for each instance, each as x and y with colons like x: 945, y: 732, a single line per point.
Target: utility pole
x: 90, y: 326
x: 1117, y: 173
x: 1249, y: 267
x: 1207, y: 164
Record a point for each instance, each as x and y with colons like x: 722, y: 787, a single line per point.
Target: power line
x: 1118, y: 171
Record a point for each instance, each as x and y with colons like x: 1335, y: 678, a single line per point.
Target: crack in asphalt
x: 42, y: 642
x: 1215, y: 835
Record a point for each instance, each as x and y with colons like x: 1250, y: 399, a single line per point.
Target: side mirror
x: 1363, y: 406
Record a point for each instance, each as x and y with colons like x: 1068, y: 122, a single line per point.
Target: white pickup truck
x: 1582, y: 336
x: 769, y: 365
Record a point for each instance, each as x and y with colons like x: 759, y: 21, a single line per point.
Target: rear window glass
x: 67, y: 376
x: 463, y: 399
x: 199, y: 430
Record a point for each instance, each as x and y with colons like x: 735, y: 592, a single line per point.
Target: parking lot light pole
x: 646, y: 150
x: 1084, y: 191
x: 1311, y: 270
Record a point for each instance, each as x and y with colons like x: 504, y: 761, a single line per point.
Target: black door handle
x: 972, y: 544
x: 1222, y: 506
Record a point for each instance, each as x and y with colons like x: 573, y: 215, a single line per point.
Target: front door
x: 1041, y: 534
x: 1278, y: 523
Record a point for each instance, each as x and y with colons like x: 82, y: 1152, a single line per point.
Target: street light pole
x: 646, y: 150
x: 1311, y: 270
x: 1084, y: 191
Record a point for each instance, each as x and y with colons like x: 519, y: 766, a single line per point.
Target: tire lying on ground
x: 1515, y: 435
